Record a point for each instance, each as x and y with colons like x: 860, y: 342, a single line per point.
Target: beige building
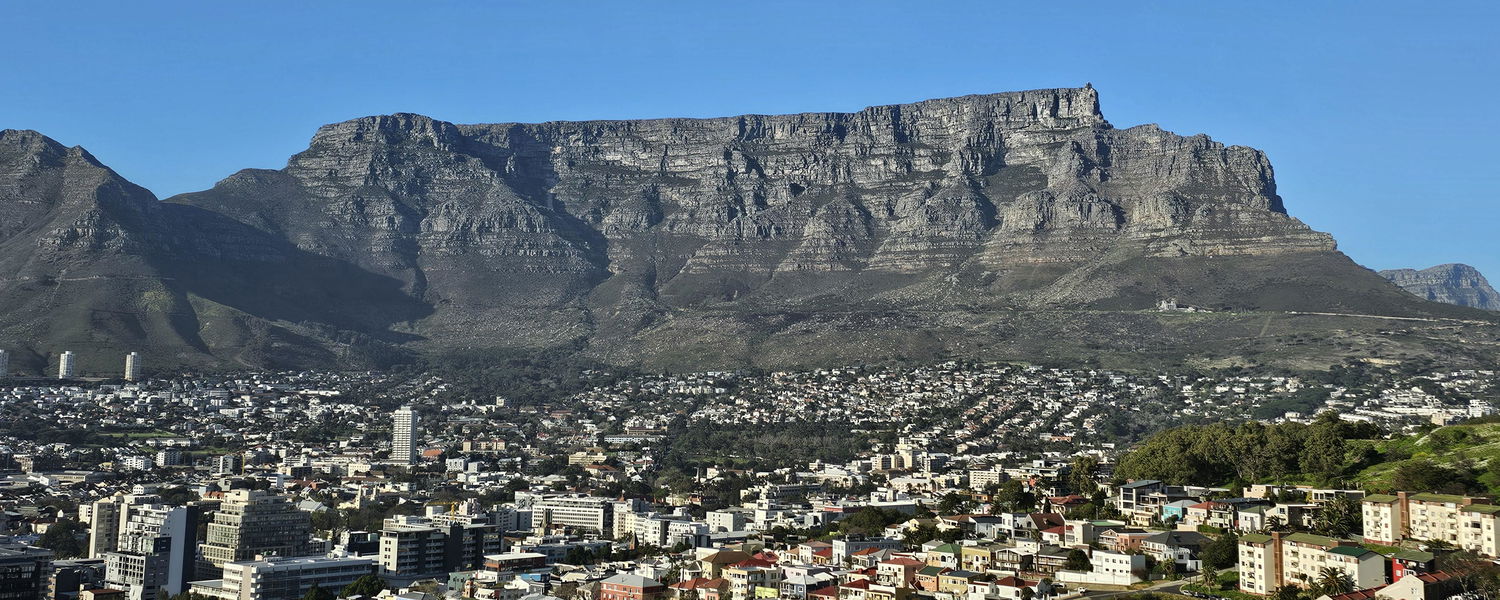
x: 1384, y: 518
x: 253, y: 523
x: 1267, y: 562
x: 1462, y: 521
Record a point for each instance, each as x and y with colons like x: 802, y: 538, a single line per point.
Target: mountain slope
x: 97, y: 265
x: 1017, y: 225
x: 1451, y: 283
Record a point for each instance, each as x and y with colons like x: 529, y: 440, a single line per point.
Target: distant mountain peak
x: 1452, y: 283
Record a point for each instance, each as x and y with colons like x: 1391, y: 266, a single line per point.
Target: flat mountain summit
x: 1019, y: 225
x: 1452, y: 283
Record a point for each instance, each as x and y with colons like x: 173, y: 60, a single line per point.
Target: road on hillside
x: 1165, y: 587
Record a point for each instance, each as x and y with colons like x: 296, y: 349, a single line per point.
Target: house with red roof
x: 1011, y: 587
x: 824, y: 593
x: 699, y: 588
x: 898, y: 572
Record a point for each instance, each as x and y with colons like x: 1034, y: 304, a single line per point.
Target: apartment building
x: 514, y: 564
x: 252, y: 523
x: 103, y: 517
x: 1267, y: 562
x: 579, y: 512
x: 1465, y: 522
x: 631, y: 587
x: 154, y: 551
x: 747, y: 578
x: 414, y: 547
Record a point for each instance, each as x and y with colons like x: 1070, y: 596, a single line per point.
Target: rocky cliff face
x: 748, y: 236
x: 1451, y: 283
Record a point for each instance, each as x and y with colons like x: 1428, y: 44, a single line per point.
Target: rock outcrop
x: 1452, y: 283
x: 678, y: 241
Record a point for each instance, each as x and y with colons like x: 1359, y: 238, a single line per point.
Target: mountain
x: 1017, y: 225
x: 1451, y: 283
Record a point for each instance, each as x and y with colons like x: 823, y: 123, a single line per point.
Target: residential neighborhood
x: 973, y: 482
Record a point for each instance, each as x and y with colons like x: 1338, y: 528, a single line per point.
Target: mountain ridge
x: 903, y: 231
x: 1451, y: 283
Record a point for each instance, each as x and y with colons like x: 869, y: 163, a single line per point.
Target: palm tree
x: 1290, y: 591
x: 1333, y: 581
x: 1210, y: 577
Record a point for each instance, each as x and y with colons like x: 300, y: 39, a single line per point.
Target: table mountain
x: 1451, y: 283
x: 1013, y: 225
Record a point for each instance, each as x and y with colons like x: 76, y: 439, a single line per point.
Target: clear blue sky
x: 1381, y: 118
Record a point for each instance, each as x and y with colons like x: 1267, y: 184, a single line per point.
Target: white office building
x: 404, y: 436
x: 154, y: 551
x: 65, y: 368
x: 278, y: 578
x: 133, y: 366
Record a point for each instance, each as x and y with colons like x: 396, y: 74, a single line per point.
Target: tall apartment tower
x: 104, y: 526
x: 133, y: 366
x: 65, y: 368
x: 252, y: 522
x: 404, y: 436
x: 4, y: 363
x: 154, y: 554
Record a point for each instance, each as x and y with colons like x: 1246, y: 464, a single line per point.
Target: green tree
x: 1323, y: 452
x: 1078, y: 560
x: 1339, y: 517
x: 951, y: 504
x: 367, y: 585
x: 1221, y: 553
x: 62, y: 538
x: 1082, y: 474
x: 318, y: 593
x: 1014, y: 497
x: 1290, y: 591
x: 1333, y: 581
x: 1210, y: 577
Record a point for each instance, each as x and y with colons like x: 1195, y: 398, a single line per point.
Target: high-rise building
x: 24, y: 572
x: 154, y: 554
x: 103, y: 518
x: 65, y: 368
x: 404, y: 436
x: 441, y: 542
x: 229, y: 464
x: 4, y: 363
x: 133, y: 366
x: 251, y: 523
x: 413, y: 547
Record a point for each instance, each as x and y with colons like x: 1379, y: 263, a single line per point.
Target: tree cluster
x: 1219, y: 453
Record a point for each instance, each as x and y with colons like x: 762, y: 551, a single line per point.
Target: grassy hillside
x: 1458, y: 459
x: 1455, y: 459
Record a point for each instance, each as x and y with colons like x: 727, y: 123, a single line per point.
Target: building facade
x: 279, y: 578
x: 404, y: 436
x: 24, y: 572
x: 252, y: 523
x: 1268, y: 562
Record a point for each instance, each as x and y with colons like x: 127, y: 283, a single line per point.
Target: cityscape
x: 954, y: 480
x: 781, y: 300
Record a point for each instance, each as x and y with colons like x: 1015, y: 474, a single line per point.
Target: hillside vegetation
x: 1456, y: 459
